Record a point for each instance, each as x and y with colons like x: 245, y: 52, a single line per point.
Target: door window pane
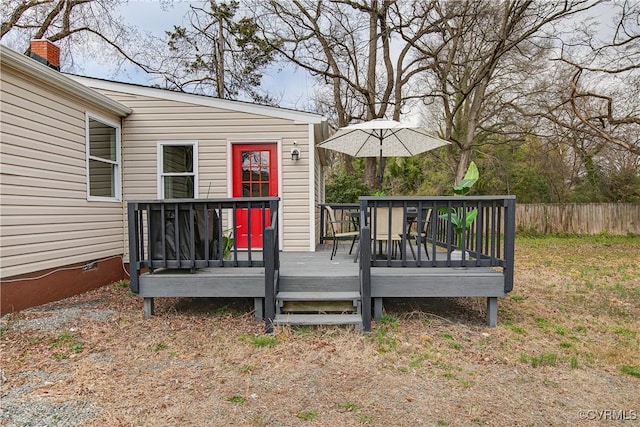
x: 255, y: 173
x: 264, y: 165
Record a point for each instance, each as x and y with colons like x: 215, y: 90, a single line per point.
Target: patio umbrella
x: 384, y: 138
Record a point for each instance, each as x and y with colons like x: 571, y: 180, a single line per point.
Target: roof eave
x: 299, y: 117
x: 26, y: 65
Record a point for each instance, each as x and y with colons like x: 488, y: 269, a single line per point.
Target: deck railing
x: 405, y: 230
x: 199, y: 233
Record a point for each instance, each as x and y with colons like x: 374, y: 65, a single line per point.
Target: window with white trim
x: 103, y: 159
x: 177, y: 170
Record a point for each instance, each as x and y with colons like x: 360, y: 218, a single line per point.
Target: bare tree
x: 350, y: 47
x: 605, y: 81
x: 586, y: 105
x: 478, y: 59
x: 82, y: 23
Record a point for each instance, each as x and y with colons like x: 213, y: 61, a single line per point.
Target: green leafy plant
x: 67, y: 343
x: 574, y: 362
x: 453, y: 343
x: 389, y: 320
x: 544, y: 359
x: 160, y: 346
x: 259, y: 341
x: 121, y: 284
x: 345, y: 188
x: 236, y: 399
x: 631, y: 370
x: 459, y: 219
x: 349, y: 406
x: 227, y: 243
x: 308, y: 415
x: 384, y: 342
x: 227, y: 311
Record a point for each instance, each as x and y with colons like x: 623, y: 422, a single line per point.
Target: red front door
x: 255, y: 174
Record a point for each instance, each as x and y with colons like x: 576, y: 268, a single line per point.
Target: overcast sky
x: 291, y: 86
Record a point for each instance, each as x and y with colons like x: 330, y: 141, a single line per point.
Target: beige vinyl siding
x: 318, y: 194
x: 157, y: 120
x: 46, y: 219
x: 321, y: 133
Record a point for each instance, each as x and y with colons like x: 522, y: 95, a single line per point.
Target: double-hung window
x: 177, y: 170
x: 103, y: 159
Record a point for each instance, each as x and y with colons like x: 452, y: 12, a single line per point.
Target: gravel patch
x: 25, y: 401
x: 26, y: 404
x: 54, y: 320
x: 39, y: 412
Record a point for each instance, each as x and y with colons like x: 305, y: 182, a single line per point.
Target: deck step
x: 318, y: 302
x: 318, y: 296
x: 319, y: 319
x: 319, y: 283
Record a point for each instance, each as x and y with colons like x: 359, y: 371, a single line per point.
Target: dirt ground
x: 92, y: 360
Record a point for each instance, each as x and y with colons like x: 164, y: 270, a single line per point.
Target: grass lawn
x: 565, y: 352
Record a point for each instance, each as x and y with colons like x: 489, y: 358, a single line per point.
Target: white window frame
x: 161, y: 175
x: 117, y: 172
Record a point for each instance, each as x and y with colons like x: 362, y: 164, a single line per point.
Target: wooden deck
x: 309, y: 272
x: 179, y: 243
x: 341, y: 274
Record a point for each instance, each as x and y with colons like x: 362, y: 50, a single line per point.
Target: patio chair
x: 421, y: 235
x: 389, y: 228
x: 338, y: 234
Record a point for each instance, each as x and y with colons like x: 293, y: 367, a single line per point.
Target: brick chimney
x: 46, y: 52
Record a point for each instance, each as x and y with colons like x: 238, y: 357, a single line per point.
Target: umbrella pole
x: 380, y: 166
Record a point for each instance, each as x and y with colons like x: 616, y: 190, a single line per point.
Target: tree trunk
x: 370, y: 176
x: 347, y: 161
x: 220, y: 64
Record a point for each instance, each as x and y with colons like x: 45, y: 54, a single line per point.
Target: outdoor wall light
x: 295, y: 152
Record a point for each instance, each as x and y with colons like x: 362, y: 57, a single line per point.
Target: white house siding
x: 46, y: 220
x: 157, y: 119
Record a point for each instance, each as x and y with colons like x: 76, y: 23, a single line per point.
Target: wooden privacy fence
x: 587, y: 218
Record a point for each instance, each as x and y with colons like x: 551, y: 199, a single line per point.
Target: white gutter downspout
x: 312, y: 188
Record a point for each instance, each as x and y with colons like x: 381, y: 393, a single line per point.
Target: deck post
x: 134, y: 234
x: 148, y: 307
x: 365, y: 267
x: 509, y: 243
x: 259, y: 312
x: 492, y: 311
x: 377, y: 308
x: 269, y: 278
